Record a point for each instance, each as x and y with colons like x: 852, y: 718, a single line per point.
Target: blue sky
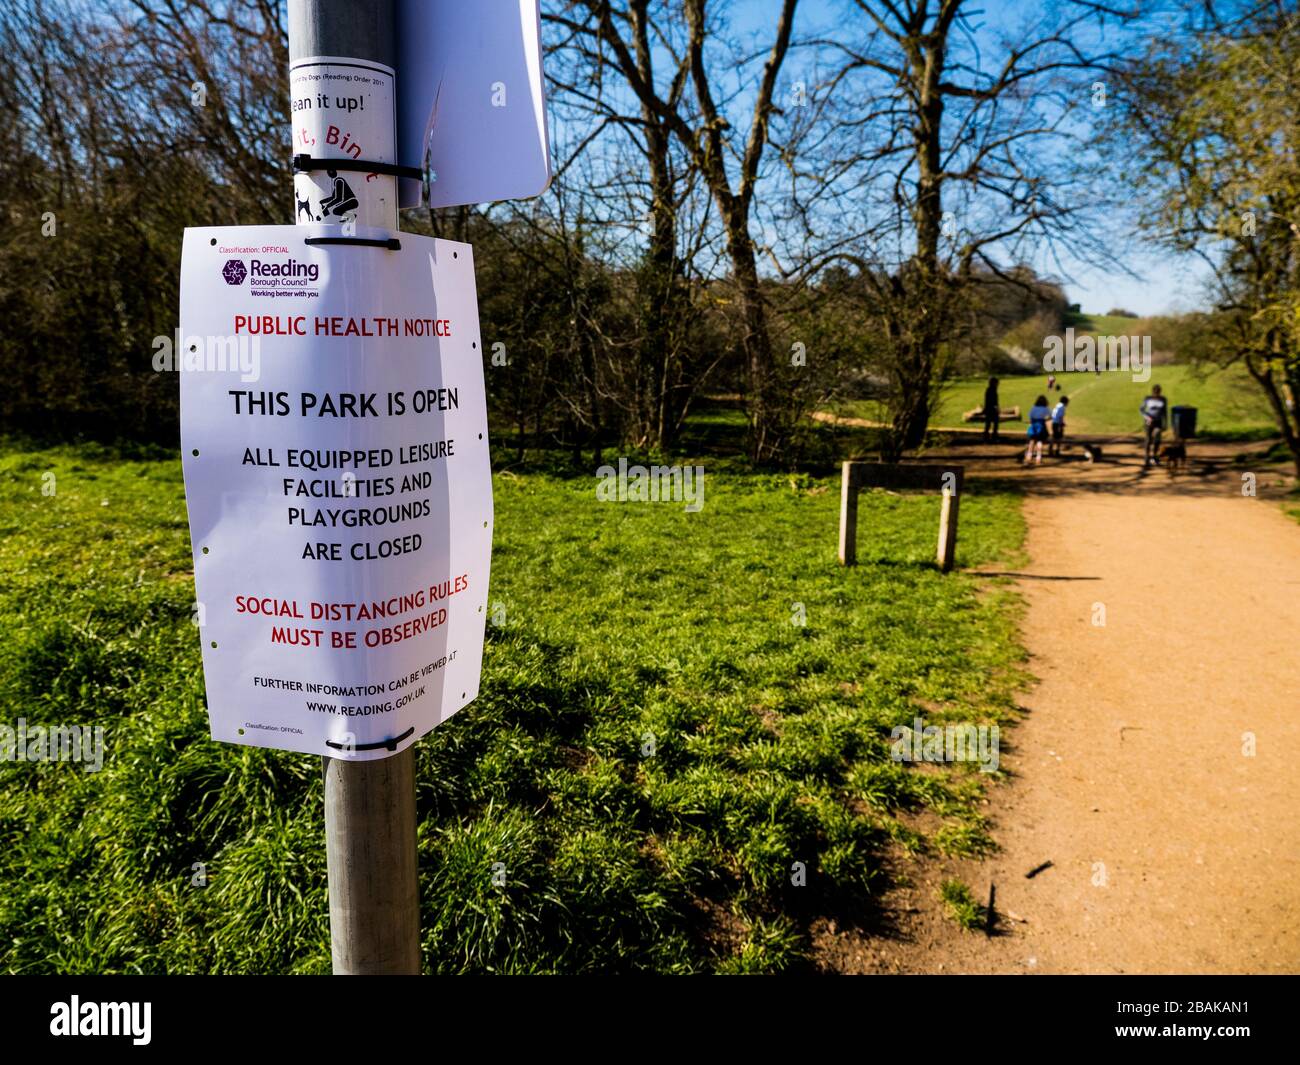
x: 1169, y: 283
x: 1164, y: 281
x: 1144, y: 279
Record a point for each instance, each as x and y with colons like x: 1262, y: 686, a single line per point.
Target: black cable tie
x: 389, y: 744
x: 391, y: 243
x: 305, y: 164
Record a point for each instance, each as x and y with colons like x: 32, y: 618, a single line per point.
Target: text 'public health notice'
x: 335, y: 445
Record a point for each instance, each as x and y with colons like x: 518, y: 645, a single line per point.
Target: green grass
x: 1288, y: 508
x: 960, y: 905
x: 654, y: 748
x: 1101, y: 324
x: 1229, y: 404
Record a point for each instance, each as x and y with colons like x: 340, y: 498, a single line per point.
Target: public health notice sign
x: 334, y: 426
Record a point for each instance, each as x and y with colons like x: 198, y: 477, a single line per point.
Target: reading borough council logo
x: 234, y: 271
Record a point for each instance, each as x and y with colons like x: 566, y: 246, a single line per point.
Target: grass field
x: 656, y: 742
x: 1101, y: 324
x: 1229, y: 405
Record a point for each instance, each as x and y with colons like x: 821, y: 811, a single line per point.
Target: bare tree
x: 124, y: 123
x: 962, y: 164
x: 645, y: 195
x: 730, y: 169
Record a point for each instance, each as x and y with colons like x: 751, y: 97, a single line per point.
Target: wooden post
x: 369, y: 806
x: 948, y: 528
x: 848, y: 517
x: 856, y: 475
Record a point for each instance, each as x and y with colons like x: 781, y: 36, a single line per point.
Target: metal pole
x: 361, y: 35
x: 369, y: 806
x: 370, y: 849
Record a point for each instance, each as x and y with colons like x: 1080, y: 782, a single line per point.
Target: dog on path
x: 1174, y: 456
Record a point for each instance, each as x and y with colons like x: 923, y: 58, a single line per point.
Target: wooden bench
x: 945, y: 479
x: 1005, y: 414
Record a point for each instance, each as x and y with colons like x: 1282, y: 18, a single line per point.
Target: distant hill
x: 1102, y: 324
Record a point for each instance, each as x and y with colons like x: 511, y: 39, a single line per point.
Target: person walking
x: 991, y: 409
x: 1155, y: 412
x: 1039, y: 414
x: 1058, y: 425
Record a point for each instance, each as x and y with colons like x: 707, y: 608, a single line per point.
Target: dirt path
x: 1173, y: 849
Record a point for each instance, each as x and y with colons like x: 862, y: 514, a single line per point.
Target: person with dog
x: 991, y: 409
x: 1039, y: 415
x: 1058, y: 426
x: 1155, y: 412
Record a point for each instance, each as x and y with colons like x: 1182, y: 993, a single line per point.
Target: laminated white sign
x: 334, y: 427
x: 471, y: 100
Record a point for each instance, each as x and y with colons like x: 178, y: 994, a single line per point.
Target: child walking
x: 1039, y: 414
x: 1058, y: 425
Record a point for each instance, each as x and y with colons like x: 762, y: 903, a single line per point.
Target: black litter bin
x: 1184, y: 422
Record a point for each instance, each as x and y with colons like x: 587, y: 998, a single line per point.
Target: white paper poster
x: 335, y: 447
x: 343, y: 109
